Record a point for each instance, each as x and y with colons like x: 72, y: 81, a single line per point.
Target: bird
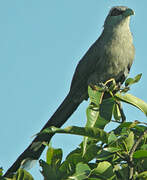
x: 110, y: 56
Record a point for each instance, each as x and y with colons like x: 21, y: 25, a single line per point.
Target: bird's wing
x: 85, y: 68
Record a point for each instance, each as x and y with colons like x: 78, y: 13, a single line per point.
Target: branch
x: 132, y: 152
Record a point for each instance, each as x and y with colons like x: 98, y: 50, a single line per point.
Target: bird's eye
x: 116, y: 12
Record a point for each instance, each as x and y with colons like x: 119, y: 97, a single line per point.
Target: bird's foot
x: 99, y: 87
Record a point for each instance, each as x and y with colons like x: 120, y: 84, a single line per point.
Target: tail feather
x: 35, y: 149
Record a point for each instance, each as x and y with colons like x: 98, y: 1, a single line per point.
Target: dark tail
x: 35, y: 149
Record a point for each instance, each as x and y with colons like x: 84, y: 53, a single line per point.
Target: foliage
x: 120, y: 154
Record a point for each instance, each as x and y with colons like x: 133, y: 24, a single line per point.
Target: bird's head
x: 118, y: 15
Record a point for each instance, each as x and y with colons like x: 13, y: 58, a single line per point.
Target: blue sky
x: 41, y: 43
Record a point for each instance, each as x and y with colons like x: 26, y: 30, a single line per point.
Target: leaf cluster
x: 120, y: 154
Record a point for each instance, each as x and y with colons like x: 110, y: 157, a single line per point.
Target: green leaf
x: 144, y: 147
x: 103, y: 170
x: 82, y: 172
x: 48, y: 171
x: 142, y: 176
x: 123, y: 172
x: 95, y: 133
x: 92, y: 121
x: 99, y: 112
x: 104, y: 155
x: 133, y: 100
x: 144, y: 163
x: 140, y: 128
x: 54, y: 156
x: 116, y: 112
x: 81, y: 167
x: 69, y: 165
x: 112, y: 138
x: 113, y: 149
x: 91, y: 152
x: 75, y: 151
x: 102, y: 167
x: 129, y: 140
x: 92, y: 111
x: 1, y: 172
x: 92, y: 116
x: 140, y: 154
x: 95, y: 96
x: 131, y: 81
x: 23, y: 175
x: 74, y: 159
x: 125, y: 126
x: 138, y: 77
x: 106, y: 110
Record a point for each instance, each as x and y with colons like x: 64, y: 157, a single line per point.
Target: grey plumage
x: 111, y: 56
